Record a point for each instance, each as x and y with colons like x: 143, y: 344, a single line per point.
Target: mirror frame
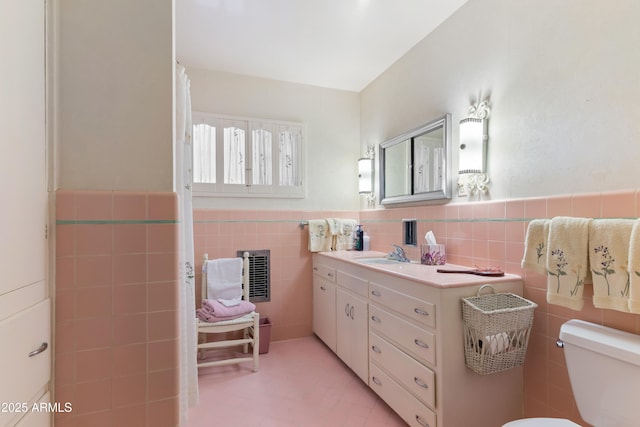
x: 443, y: 193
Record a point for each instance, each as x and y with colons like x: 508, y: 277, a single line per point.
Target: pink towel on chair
x: 220, y: 311
x: 211, y: 318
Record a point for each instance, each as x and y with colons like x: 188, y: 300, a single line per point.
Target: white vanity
x: 398, y: 326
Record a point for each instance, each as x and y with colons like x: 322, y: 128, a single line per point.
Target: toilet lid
x: 541, y: 422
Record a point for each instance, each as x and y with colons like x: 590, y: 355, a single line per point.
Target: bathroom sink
x: 378, y: 261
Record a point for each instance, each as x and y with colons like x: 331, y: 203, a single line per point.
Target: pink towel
x: 211, y: 318
x: 217, y: 309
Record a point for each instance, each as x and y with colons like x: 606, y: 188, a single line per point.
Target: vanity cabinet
x: 413, y: 338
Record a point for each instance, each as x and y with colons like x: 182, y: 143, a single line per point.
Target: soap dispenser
x: 358, y: 239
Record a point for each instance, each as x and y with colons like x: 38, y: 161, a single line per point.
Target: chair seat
x: 244, y: 319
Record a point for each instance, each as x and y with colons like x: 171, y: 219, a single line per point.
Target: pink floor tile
x: 300, y: 383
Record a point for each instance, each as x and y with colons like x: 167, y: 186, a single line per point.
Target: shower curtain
x: 183, y: 173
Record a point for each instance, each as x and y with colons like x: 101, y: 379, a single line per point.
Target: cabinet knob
x: 38, y: 350
x: 421, y: 311
x: 421, y: 343
x: 376, y: 349
x: 376, y: 380
x: 330, y: 274
x: 420, y: 382
x: 375, y: 319
x: 376, y: 293
x: 422, y: 422
x: 323, y: 288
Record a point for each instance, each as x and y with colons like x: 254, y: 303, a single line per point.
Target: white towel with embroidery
x: 341, y: 233
x: 634, y: 268
x: 535, y: 246
x: 567, y: 261
x: 319, y: 235
x: 224, y: 278
x: 609, y: 262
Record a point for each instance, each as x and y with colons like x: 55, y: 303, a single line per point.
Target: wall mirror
x: 416, y: 166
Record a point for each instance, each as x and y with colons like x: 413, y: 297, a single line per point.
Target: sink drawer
x: 325, y: 272
x: 414, y: 376
x: 416, y: 309
x: 413, y: 339
x: 353, y: 283
x: 408, y: 407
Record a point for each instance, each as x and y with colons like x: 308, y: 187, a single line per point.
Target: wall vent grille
x: 259, y: 275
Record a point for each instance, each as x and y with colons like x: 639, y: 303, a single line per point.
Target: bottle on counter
x: 366, y: 242
x: 358, y: 239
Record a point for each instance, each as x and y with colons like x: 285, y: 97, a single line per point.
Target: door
x: 352, y: 332
x: 23, y: 214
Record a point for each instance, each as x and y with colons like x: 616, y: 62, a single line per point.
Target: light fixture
x: 365, y: 175
x: 472, y: 173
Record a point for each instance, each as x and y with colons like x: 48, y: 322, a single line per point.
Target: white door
x: 23, y: 214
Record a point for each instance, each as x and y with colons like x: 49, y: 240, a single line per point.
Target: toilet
x: 604, y: 371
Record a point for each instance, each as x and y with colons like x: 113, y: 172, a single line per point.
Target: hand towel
x: 609, y: 260
x: 229, y: 302
x: 224, y: 278
x: 319, y: 235
x: 535, y: 246
x: 634, y: 268
x: 567, y: 261
x: 341, y: 233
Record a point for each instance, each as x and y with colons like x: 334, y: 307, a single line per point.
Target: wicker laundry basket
x: 496, y: 330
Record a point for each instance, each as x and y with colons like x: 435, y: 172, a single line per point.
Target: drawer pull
x: 376, y: 293
x: 420, y: 382
x: 421, y: 421
x: 346, y: 310
x: 376, y: 380
x: 421, y: 311
x: 323, y: 288
x: 330, y: 274
x: 376, y: 349
x: 351, y: 312
x: 315, y: 268
x: 376, y: 319
x: 421, y: 343
x: 39, y: 350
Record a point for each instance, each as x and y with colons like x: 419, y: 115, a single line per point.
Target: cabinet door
x: 352, y: 332
x: 324, y: 311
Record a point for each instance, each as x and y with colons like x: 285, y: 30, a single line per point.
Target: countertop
x: 417, y: 272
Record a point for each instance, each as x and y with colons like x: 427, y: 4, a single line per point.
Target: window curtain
x: 234, y: 169
x: 183, y: 173
x: 289, y: 142
x: 261, y: 166
x: 204, y: 144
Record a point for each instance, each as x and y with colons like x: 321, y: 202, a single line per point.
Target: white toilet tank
x: 604, y: 369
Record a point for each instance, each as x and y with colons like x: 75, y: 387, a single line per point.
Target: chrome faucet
x: 398, y: 254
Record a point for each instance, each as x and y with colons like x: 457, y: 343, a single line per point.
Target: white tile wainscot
x: 411, y: 351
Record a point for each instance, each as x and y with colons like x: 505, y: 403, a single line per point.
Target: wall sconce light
x: 472, y: 176
x: 365, y: 175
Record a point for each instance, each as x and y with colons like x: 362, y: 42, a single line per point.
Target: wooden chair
x: 248, y: 323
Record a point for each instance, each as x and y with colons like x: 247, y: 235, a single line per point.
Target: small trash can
x: 265, y: 335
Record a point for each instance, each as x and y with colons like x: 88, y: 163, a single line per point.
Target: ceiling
x: 340, y: 44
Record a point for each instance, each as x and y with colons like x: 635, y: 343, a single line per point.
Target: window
x: 247, y: 157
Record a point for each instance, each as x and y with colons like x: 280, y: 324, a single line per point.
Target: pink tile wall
x: 492, y: 234
x: 220, y: 233
x: 116, y: 352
